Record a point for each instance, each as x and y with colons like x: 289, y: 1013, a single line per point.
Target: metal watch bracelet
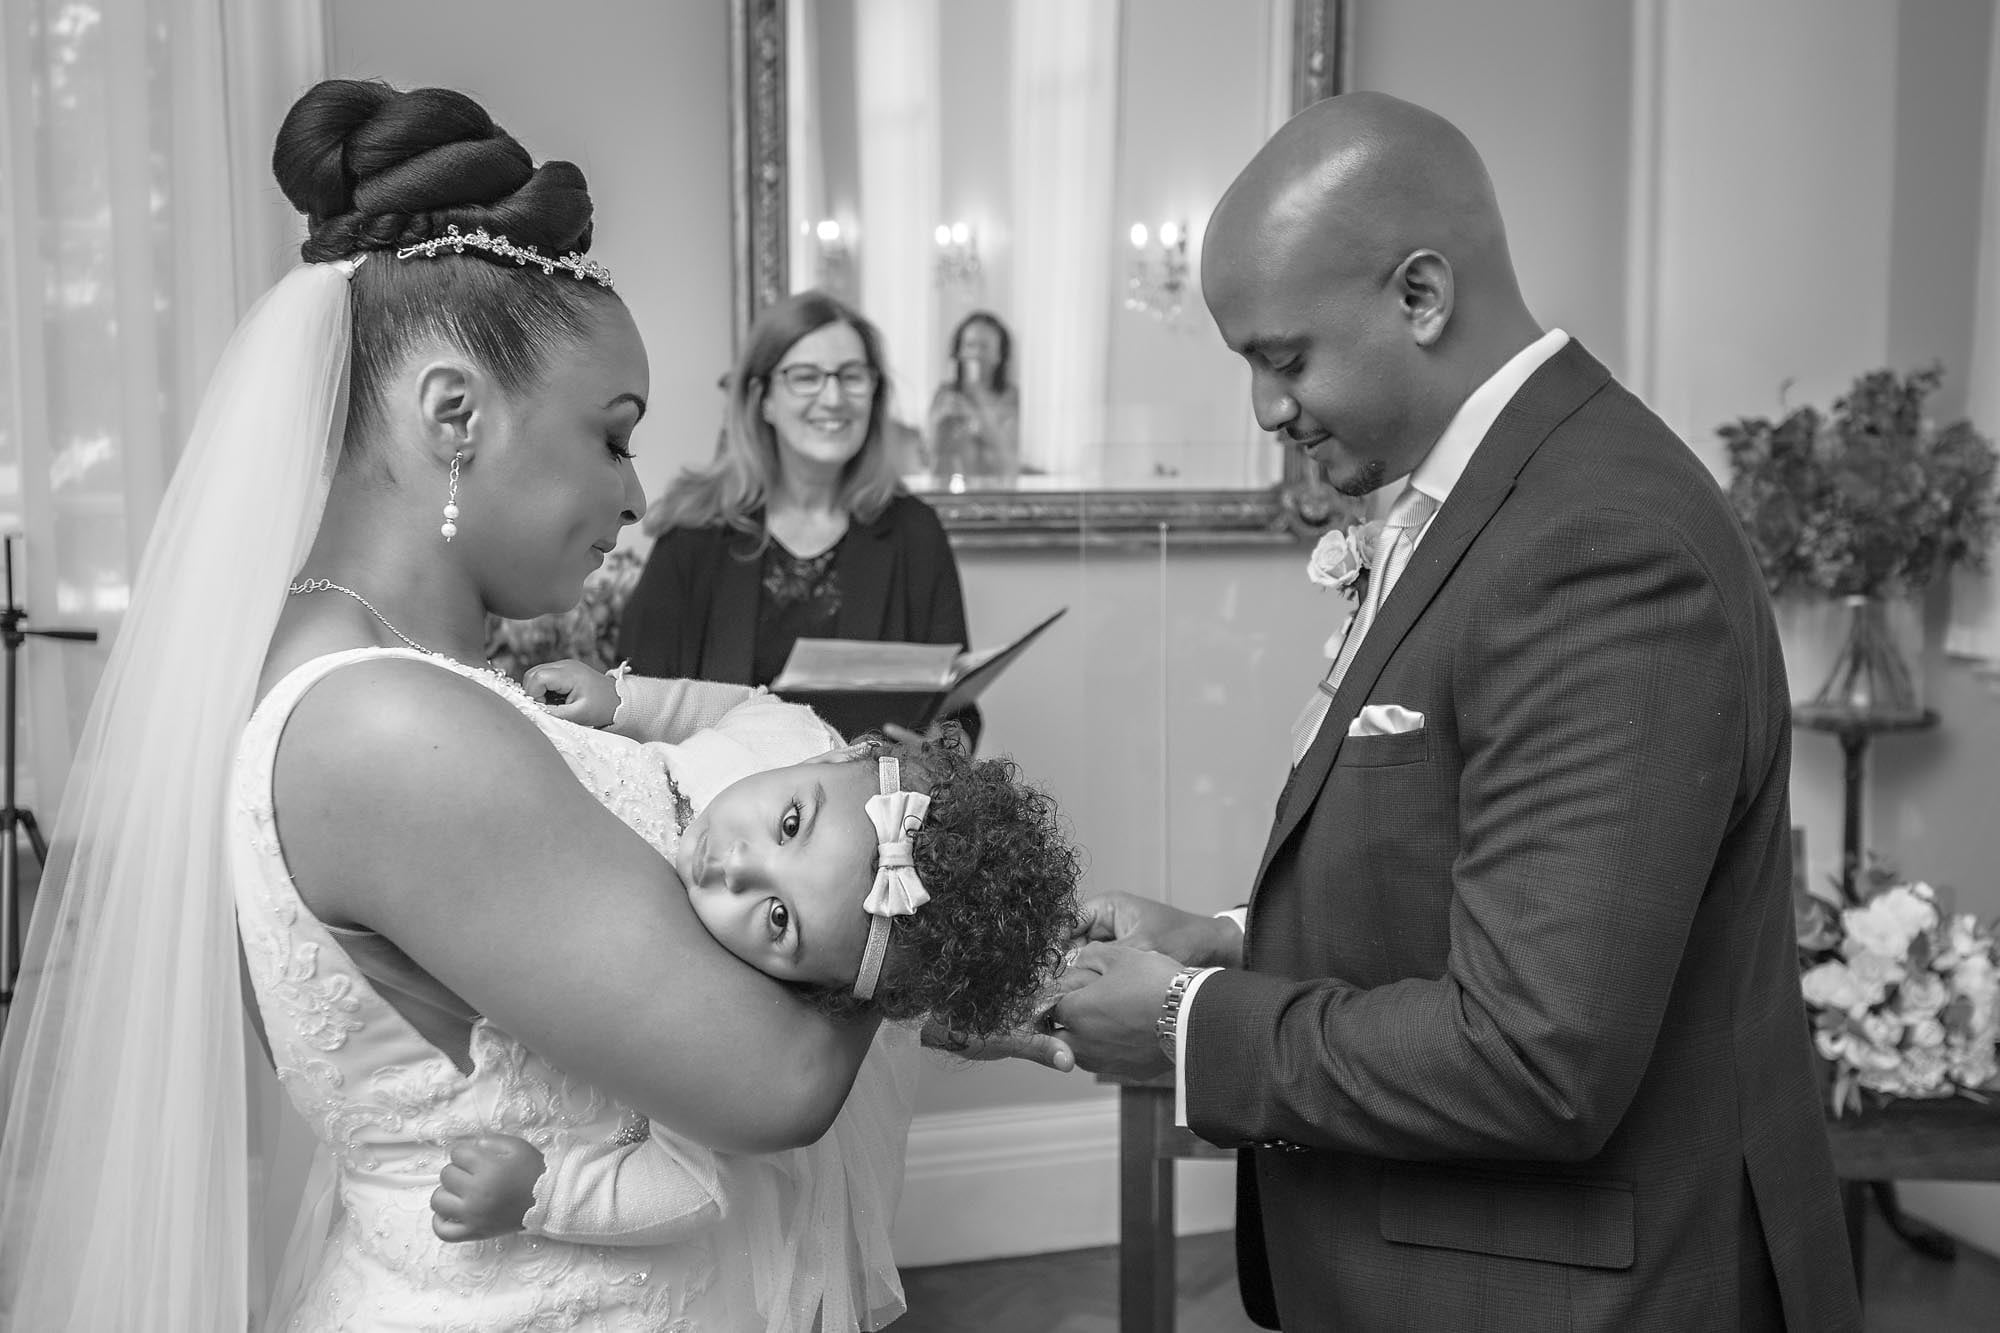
x: 1170, y: 1009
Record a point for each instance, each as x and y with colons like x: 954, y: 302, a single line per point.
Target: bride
x: 427, y: 422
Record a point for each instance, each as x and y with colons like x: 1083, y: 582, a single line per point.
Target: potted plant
x: 1864, y: 503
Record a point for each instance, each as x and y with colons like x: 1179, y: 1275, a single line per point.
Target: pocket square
x: 1385, y: 720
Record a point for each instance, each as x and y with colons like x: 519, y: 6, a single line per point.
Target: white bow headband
x: 897, y: 891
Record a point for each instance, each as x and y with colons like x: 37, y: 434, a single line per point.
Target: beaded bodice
x: 385, y: 1103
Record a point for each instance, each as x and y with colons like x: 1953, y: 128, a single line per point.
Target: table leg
x: 1145, y: 1213
x: 1854, y: 1202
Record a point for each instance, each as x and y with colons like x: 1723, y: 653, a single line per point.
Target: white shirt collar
x: 1446, y: 461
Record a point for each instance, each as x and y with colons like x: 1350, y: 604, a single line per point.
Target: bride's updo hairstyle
x: 376, y: 170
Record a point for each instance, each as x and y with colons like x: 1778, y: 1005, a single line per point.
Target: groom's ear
x: 1426, y: 291
x: 452, y: 407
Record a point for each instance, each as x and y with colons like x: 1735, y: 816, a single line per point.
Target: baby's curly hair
x: 1001, y: 872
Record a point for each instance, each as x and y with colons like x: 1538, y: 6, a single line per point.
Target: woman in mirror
x: 975, y: 415
x: 800, y: 527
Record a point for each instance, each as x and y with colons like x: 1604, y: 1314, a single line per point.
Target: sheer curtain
x: 1975, y: 598
x: 896, y: 88
x: 1065, y: 101
x: 139, y: 219
x: 805, y: 159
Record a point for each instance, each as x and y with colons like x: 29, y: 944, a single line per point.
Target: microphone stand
x: 16, y: 820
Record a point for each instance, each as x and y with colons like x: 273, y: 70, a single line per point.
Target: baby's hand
x: 580, y: 695
x: 486, y: 1189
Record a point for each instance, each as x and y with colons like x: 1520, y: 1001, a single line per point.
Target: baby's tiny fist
x: 487, y: 1189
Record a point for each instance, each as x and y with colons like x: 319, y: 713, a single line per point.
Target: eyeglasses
x: 857, y: 378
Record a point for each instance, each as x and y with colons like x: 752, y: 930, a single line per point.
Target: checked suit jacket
x: 1518, y: 1041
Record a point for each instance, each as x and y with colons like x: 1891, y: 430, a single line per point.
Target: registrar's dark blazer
x: 693, y: 612
x: 1520, y: 999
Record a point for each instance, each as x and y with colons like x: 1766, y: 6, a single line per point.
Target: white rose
x: 1832, y: 985
x: 1884, y: 1030
x: 1921, y: 993
x: 1886, y: 923
x: 1975, y: 979
x: 1340, y: 556
x: 1926, y: 1033
x: 1875, y: 973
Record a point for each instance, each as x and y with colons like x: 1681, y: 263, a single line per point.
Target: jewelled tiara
x: 456, y: 242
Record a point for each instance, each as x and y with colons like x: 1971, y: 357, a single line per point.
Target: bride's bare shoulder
x: 378, y: 709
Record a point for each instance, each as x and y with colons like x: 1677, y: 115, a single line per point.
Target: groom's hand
x: 1142, y: 923
x: 1109, y: 1011
x: 1036, y: 1047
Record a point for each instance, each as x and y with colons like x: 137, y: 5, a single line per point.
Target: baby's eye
x: 779, y: 918
x: 789, y: 825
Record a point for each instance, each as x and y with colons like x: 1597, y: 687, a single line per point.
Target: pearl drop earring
x: 450, y: 528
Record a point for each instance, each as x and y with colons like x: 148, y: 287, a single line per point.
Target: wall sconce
x: 957, y: 256
x: 1159, y: 271
x: 836, y: 258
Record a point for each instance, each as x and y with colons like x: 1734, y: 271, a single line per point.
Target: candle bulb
x: 1138, y: 236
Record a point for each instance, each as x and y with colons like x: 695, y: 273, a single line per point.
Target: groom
x: 1513, y: 1036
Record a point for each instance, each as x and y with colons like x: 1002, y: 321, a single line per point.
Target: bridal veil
x: 135, y: 1115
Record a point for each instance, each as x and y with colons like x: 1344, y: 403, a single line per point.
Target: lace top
x: 800, y: 599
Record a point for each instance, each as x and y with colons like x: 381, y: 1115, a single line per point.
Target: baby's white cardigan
x: 648, y: 1188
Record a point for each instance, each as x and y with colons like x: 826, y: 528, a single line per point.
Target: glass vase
x: 1870, y: 676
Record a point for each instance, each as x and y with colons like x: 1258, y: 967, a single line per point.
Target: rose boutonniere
x: 1341, y: 557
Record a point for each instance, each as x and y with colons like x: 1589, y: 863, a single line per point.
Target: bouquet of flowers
x: 1870, y: 499
x: 587, y: 631
x: 1904, y: 996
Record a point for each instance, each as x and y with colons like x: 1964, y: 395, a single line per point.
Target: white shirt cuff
x: 1240, y: 915
x: 1180, y: 1042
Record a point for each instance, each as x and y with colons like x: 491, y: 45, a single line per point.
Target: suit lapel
x: 731, y: 637
x: 1552, y: 393
x: 866, y: 561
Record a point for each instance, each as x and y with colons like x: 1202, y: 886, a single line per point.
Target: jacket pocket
x: 1402, y: 747
x: 1587, y: 1223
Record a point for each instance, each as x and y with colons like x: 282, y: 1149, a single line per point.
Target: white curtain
x: 805, y: 159
x: 138, y: 219
x: 896, y: 86
x: 1975, y: 598
x: 1065, y: 103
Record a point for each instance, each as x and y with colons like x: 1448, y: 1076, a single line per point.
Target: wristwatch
x: 1170, y: 1009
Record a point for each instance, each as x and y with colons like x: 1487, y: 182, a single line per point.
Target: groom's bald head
x: 1366, y: 230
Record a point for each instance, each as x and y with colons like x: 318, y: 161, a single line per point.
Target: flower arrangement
x: 587, y: 631
x: 1870, y: 499
x: 1904, y: 996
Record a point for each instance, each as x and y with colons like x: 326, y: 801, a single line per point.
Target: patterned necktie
x: 1391, y: 553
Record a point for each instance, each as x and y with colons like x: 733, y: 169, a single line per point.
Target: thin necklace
x: 328, y: 585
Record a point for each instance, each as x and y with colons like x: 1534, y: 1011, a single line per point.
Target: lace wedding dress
x: 802, y: 1236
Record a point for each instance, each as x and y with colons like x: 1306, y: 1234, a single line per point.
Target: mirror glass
x: 1015, y: 191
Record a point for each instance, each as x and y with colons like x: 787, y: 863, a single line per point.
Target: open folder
x: 861, y: 685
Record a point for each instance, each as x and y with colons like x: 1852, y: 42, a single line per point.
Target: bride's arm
x: 424, y: 807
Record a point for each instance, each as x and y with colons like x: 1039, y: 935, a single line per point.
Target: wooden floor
x: 1077, y: 1292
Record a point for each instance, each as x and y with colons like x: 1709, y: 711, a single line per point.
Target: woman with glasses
x: 799, y: 528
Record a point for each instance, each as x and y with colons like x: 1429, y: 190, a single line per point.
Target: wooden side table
x: 1951, y: 1138
x: 1854, y: 729
x: 1149, y: 1143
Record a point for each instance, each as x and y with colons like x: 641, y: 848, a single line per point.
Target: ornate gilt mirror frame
x: 1296, y: 508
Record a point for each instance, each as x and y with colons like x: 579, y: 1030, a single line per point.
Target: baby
x: 905, y: 881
